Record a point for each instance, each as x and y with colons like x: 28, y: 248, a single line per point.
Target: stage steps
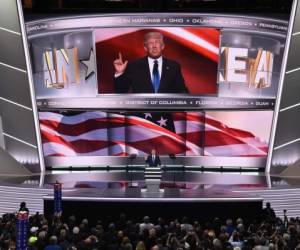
x: 11, y: 197
x: 152, y: 179
x: 153, y: 173
x: 280, y: 199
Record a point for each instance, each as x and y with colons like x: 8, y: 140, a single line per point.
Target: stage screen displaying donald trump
x: 186, y: 59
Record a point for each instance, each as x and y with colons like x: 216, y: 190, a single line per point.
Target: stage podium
x: 152, y: 179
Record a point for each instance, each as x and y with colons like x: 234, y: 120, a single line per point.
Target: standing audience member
x: 23, y: 207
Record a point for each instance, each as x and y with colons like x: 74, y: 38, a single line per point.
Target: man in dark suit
x: 151, y: 74
x: 153, y: 159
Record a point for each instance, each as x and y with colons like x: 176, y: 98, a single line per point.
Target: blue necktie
x: 155, y: 77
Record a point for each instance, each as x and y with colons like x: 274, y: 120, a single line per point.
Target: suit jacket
x: 137, y: 78
x: 152, y: 163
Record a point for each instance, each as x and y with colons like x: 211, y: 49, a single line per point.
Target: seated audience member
x: 146, y: 224
x: 53, y: 244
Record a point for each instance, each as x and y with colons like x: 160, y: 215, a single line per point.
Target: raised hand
x: 120, y: 65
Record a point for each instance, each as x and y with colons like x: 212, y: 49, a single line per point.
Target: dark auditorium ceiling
x: 37, y: 8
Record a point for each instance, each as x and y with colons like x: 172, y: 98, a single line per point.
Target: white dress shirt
x: 153, y: 158
x: 151, y: 65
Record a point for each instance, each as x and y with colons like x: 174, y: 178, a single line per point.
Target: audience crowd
x: 154, y: 234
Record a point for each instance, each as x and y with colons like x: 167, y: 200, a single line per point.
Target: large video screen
x: 214, y: 133
x: 129, y: 62
x: 189, y: 60
x: 201, y: 87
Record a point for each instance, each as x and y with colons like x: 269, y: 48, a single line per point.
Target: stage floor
x: 123, y: 187
x: 172, y: 200
x: 178, y: 179
x: 163, y: 195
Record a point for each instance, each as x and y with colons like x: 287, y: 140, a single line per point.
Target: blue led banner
x: 21, y: 230
x: 57, y: 199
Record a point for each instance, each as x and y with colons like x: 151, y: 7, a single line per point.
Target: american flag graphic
x: 96, y: 133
